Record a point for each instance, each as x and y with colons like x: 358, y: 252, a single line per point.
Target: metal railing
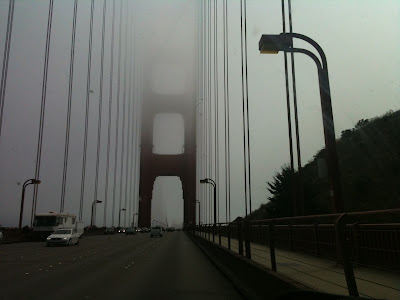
x: 369, y: 238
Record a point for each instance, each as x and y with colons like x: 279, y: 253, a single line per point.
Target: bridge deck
x: 323, y: 274
x: 112, y: 267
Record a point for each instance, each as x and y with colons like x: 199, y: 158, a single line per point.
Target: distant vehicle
x: 170, y: 229
x: 144, y: 230
x: 138, y: 229
x: 65, y: 237
x: 46, y: 223
x: 1, y: 235
x: 130, y: 230
x: 179, y: 229
x: 109, y: 230
x: 156, y: 231
x: 121, y: 230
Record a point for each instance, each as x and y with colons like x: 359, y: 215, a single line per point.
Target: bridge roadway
x: 112, y: 267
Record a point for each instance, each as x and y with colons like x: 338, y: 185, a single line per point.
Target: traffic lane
x: 30, y: 270
x: 121, y: 267
x: 176, y: 269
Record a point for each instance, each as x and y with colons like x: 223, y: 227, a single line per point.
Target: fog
x: 168, y: 50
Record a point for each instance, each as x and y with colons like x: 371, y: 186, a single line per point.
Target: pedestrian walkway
x: 323, y: 274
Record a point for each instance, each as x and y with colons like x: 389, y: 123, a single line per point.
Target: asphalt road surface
x: 112, y: 267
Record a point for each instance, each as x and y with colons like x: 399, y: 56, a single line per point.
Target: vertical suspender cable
x: 86, y: 112
x: 210, y: 160
x: 247, y: 104
x: 42, y: 107
x: 131, y: 109
x: 6, y: 54
x: 300, y: 198
x: 216, y: 112
x: 109, y: 120
x: 68, y: 126
x: 294, y: 93
x: 123, y: 117
x: 123, y: 129
x: 289, y: 118
x: 227, y: 121
x: 243, y: 110
x: 117, y: 117
x: 287, y: 92
x: 203, y: 129
x: 96, y: 181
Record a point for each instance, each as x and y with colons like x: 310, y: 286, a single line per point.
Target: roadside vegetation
x: 369, y: 162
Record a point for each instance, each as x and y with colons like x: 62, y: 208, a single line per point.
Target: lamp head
x: 273, y: 43
x: 36, y: 181
x: 203, y: 180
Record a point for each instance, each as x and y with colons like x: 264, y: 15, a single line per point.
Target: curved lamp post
x: 119, y: 218
x: 135, y: 214
x: 270, y: 44
x: 26, y: 183
x: 93, y: 205
x: 212, y: 182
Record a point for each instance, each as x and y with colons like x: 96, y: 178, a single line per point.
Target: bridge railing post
x: 240, y: 237
x: 219, y: 234
x: 271, y: 242
x: 229, y: 236
x: 343, y: 255
x: 213, y: 231
x: 247, y: 239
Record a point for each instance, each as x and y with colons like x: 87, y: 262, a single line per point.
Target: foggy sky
x: 360, y: 38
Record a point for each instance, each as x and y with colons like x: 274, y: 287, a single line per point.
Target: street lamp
x: 270, y: 43
x: 93, y: 205
x: 119, y: 219
x: 26, y: 183
x: 198, y: 201
x: 212, y: 182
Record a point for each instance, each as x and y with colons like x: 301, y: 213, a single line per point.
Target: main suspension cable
x: 6, y: 55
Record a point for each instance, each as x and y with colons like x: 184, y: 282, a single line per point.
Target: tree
x: 281, y: 189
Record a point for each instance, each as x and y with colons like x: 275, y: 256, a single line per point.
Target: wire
x: 123, y: 126
x: 130, y: 128
x: 109, y: 121
x: 100, y: 104
x: 42, y: 107
x: 243, y: 109
x: 300, y: 184
x: 68, y: 126
x: 117, y: 118
x: 247, y: 104
x: 216, y: 107
x: 87, y: 111
x: 6, y: 55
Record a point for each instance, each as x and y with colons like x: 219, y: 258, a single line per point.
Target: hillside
x: 369, y: 162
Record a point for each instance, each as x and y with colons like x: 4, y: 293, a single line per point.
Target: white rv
x: 46, y: 223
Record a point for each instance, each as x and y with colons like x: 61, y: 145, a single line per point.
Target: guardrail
x: 351, y: 238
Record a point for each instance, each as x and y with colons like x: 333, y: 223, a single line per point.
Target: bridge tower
x: 181, y: 165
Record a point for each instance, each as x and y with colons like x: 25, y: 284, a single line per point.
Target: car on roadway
x: 171, y: 229
x: 144, y: 230
x: 121, y: 230
x: 109, y: 230
x: 156, y: 231
x: 130, y: 230
x: 1, y: 235
x: 66, y: 237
